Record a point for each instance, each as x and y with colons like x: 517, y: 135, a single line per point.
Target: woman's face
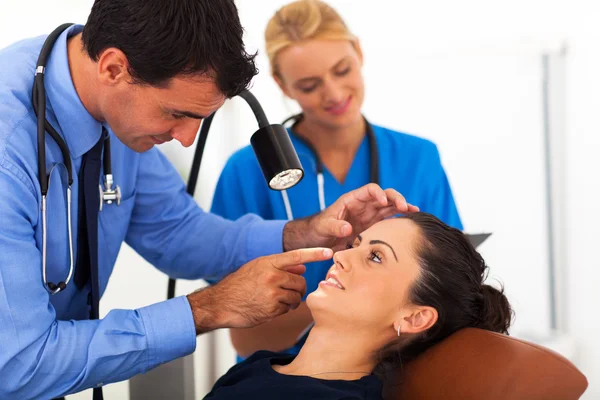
x: 324, y: 77
x: 366, y: 290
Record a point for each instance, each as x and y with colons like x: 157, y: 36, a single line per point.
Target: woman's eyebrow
x: 314, y: 79
x: 384, y: 243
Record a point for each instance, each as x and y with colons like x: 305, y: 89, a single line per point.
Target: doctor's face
x: 367, y: 289
x: 324, y: 77
x: 142, y: 116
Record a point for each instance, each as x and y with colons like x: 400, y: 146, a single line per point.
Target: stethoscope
x: 373, y: 168
x: 108, y: 195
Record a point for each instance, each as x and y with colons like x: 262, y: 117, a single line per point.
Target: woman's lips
x: 331, y: 280
x: 340, y: 108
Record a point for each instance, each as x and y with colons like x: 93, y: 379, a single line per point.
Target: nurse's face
x: 141, y: 115
x: 366, y: 291
x: 324, y: 77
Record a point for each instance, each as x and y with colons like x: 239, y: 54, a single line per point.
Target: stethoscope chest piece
x: 110, y: 194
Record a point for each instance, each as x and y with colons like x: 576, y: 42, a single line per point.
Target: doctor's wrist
x: 204, y: 310
x: 296, y: 234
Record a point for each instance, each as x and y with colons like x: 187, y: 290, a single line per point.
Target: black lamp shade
x: 277, y: 157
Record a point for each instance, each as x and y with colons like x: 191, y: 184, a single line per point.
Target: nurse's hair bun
x: 301, y: 20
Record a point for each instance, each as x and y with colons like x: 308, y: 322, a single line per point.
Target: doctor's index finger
x: 301, y: 256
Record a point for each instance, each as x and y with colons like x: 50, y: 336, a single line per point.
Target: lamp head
x: 277, y: 157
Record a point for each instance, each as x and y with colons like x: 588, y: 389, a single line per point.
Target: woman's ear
x: 417, y: 320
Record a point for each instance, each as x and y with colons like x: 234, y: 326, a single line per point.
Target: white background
x: 466, y: 74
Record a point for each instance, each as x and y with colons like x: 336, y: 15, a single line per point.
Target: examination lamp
x: 273, y: 150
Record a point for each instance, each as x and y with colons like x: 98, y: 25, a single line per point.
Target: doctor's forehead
x: 194, y: 93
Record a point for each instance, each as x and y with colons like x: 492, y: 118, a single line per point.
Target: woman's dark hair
x: 166, y: 38
x: 451, y: 281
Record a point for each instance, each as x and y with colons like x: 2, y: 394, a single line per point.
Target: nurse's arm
x: 278, y: 335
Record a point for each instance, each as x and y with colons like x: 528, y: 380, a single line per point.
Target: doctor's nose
x: 186, y: 131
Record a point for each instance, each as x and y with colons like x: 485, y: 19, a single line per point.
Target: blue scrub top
x: 407, y: 163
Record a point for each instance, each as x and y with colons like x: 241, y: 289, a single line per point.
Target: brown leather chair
x: 474, y: 364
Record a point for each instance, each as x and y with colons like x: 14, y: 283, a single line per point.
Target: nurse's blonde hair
x: 303, y: 20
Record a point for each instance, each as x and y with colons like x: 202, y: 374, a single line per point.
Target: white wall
x: 466, y: 75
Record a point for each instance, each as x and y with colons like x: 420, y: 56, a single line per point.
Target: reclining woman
x: 404, y: 285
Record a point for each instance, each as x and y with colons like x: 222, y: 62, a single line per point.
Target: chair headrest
x: 477, y: 364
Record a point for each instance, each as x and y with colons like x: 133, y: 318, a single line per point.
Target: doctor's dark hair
x: 166, y: 38
x: 451, y: 280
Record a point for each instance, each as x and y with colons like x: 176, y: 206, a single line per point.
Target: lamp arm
x: 258, y: 111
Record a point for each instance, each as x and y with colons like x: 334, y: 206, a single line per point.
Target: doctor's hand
x: 351, y: 214
x: 259, y: 291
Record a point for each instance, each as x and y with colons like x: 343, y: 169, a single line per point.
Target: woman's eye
x: 375, y: 257
x: 349, y: 245
x: 342, y: 72
x: 308, y: 89
x: 178, y: 116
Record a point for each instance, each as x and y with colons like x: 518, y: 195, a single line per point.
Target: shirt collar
x: 80, y: 130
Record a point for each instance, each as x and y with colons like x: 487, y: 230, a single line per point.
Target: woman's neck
x: 328, y: 355
x: 336, y: 147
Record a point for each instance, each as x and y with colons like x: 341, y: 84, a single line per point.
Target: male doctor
x: 145, y: 72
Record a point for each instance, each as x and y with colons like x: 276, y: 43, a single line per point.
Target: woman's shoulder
x: 243, y: 157
x: 242, y: 162
x: 253, y: 365
x: 404, y: 140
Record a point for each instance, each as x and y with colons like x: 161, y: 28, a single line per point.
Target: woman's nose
x: 342, y: 260
x: 334, y: 93
x: 186, y: 131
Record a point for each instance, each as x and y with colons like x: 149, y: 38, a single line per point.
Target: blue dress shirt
x: 407, y: 163
x: 48, y: 348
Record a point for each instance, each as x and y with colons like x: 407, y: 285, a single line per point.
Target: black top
x: 254, y: 378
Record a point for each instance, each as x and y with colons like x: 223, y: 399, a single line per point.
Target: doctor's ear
x: 113, y: 67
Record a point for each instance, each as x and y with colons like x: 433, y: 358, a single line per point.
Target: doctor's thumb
x: 339, y: 228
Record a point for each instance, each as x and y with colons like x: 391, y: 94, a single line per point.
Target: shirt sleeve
x: 440, y: 200
x: 170, y: 231
x: 42, y: 357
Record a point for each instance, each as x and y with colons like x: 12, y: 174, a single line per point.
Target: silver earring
x: 399, y: 330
